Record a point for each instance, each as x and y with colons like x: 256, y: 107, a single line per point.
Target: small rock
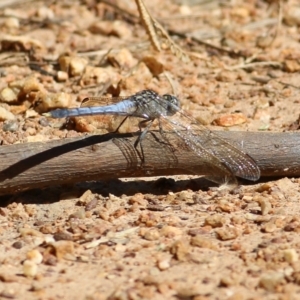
x: 285, y: 185
x: 30, y: 268
x: 181, y: 250
x: 225, y: 206
x: 62, y: 236
x: 231, y: 120
x: 17, y: 245
x: 291, y: 66
x: 164, y: 263
x: 185, y: 10
x: 247, y: 198
x: 184, y: 196
x: 271, y: 280
x: 8, y: 95
x: 37, y: 138
x: 101, y: 27
x: 97, y: 75
x: 122, y: 59
x: 30, y: 131
x: 5, y: 114
x: 151, y: 235
x: 171, y: 231
x: 62, y: 76
x: 265, y: 205
x: 8, y: 293
x: 155, y: 66
x: 118, y: 213
x: 34, y: 256
x: 291, y: 15
x: 264, y: 41
x: 10, y: 126
x: 138, y: 199
x: 226, y: 76
x: 11, y: 22
x: 265, y: 187
x: 121, y: 29
x: 141, y: 77
x: 30, y: 232
x: 7, y: 277
x: 226, y: 234
x: 27, y: 86
x: 73, y: 65
x: 104, y: 215
x: 79, y: 214
x: 215, y: 221
x: 269, y: 227
x: 52, y: 101
x: 231, y: 280
x: 91, y: 204
x: 290, y: 255
x: 45, y: 12
x: 116, y: 28
x: 30, y: 113
x: 86, y: 197
x: 63, y: 248
x: 203, y: 242
x: 44, y: 122
x: 242, y: 12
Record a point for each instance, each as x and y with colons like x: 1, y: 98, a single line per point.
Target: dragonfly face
x: 173, y: 104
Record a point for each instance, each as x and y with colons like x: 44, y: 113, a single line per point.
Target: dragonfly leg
x: 163, y: 134
x: 117, y: 130
x: 141, y: 137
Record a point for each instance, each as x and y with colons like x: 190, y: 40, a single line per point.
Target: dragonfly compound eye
x: 173, y: 104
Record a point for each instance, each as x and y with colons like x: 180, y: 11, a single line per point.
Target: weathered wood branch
x: 97, y: 157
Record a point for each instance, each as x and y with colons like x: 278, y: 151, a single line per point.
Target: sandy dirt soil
x: 154, y: 238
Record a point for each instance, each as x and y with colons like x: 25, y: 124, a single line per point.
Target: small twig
x: 167, y: 75
x: 148, y: 23
x: 157, y: 34
x: 254, y: 64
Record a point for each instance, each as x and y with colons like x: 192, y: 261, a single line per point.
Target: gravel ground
x: 154, y: 238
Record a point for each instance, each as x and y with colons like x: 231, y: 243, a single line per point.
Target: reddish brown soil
x: 150, y: 238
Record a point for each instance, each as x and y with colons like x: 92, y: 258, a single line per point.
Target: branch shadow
x: 38, y: 158
x: 116, y: 187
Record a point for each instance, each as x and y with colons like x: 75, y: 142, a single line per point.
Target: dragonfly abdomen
x: 124, y: 108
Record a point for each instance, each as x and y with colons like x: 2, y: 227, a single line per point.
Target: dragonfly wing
x: 101, y: 101
x: 210, y: 147
x: 190, y: 139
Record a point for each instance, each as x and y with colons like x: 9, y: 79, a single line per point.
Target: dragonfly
x: 150, y: 106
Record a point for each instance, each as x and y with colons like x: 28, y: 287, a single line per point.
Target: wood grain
x: 97, y: 157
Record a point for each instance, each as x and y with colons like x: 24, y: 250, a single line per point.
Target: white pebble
x: 30, y: 268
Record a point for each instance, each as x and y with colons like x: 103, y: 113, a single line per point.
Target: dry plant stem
x: 254, y: 64
x: 97, y: 157
x: 10, y: 3
x: 279, y: 21
x: 148, y: 21
x: 157, y: 34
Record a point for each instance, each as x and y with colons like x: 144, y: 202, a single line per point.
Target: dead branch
x: 97, y: 157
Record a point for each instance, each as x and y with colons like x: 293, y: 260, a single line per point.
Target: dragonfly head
x: 173, y: 104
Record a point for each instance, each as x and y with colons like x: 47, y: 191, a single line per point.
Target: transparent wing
x: 210, y: 147
x: 101, y: 101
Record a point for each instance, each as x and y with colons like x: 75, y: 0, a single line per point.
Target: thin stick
x: 157, y: 34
